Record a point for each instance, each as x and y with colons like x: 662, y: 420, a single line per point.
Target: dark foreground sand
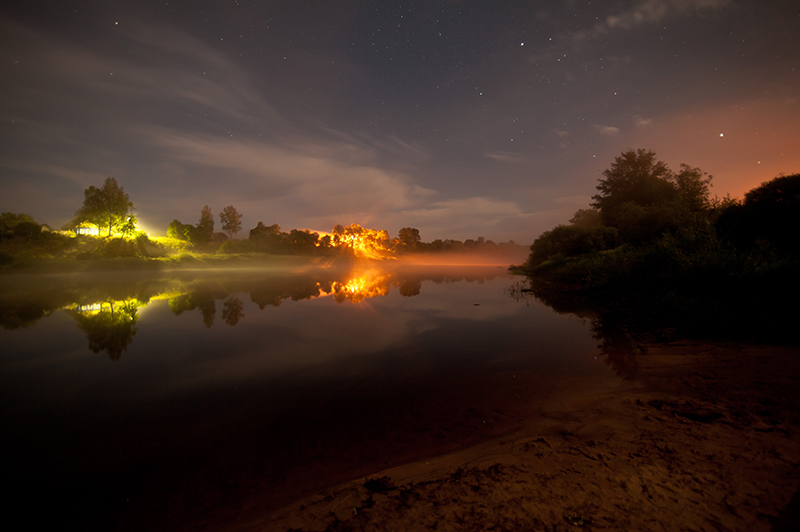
x: 706, y: 438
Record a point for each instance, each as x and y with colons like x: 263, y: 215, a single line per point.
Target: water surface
x: 145, y: 400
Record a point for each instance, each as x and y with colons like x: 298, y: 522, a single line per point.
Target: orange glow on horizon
x: 742, y: 144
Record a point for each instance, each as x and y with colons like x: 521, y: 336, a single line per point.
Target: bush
x: 767, y: 218
x: 119, y: 247
x: 571, y: 241
x: 236, y: 246
x: 30, y: 231
x: 149, y: 248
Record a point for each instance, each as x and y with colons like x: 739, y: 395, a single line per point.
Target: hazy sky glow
x: 460, y: 118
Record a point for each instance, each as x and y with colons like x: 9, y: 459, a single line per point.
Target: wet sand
x: 704, y: 438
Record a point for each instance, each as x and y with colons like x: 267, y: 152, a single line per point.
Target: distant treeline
x: 24, y: 242
x: 350, y: 239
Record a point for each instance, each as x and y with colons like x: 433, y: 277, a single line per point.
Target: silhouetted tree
x: 692, y: 185
x: 768, y: 215
x: 569, y: 241
x: 409, y: 238
x: 634, y: 177
x: 586, y: 218
x: 9, y: 221
x: 231, y: 220
x: 206, y: 224
x: 268, y: 238
x: 108, y: 206
x: 303, y: 241
x: 29, y: 231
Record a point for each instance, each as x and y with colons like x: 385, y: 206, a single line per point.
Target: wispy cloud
x: 608, y: 131
x: 506, y: 157
x: 198, y: 124
x: 474, y: 216
x: 655, y: 11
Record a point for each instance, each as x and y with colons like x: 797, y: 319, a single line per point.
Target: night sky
x: 459, y: 118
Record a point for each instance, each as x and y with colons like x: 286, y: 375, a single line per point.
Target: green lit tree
x: 106, y: 207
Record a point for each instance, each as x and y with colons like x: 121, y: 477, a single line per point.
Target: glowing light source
x: 365, y: 243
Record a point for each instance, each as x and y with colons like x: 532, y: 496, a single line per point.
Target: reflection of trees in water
x: 272, y: 290
x: 112, y: 328
x: 22, y: 316
x: 202, y: 298
x: 232, y: 310
x: 410, y: 287
x: 357, y: 289
x: 276, y: 290
x: 209, y: 310
x: 616, y: 345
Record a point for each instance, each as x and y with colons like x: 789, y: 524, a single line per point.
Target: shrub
x: 236, y: 246
x: 571, y: 241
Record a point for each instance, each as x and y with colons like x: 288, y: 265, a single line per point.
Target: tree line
x: 109, y: 210
x: 650, y: 227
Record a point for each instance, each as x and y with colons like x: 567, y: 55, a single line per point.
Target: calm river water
x: 147, y: 400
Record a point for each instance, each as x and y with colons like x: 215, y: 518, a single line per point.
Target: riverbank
x: 705, y: 438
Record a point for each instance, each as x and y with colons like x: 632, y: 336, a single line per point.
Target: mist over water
x: 141, y: 395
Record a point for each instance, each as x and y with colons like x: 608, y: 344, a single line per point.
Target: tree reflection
x: 111, y: 324
x: 209, y: 310
x: 617, y: 347
x: 232, y: 310
x: 272, y: 291
x: 355, y: 290
x: 410, y: 287
x: 21, y: 316
x: 110, y: 329
x: 202, y: 299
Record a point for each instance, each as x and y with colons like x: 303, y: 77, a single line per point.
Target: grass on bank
x: 59, y: 251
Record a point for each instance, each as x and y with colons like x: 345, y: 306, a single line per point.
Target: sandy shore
x: 705, y: 438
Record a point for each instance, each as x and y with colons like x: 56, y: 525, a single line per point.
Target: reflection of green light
x: 88, y: 309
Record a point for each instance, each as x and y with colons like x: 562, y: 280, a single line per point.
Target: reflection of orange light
x: 371, y: 284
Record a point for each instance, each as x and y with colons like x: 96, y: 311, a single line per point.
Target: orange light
x: 370, y: 284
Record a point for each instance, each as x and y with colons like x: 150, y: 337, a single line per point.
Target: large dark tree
x: 231, y: 220
x: 108, y: 206
x: 767, y: 216
x: 634, y: 177
x: 692, y: 185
